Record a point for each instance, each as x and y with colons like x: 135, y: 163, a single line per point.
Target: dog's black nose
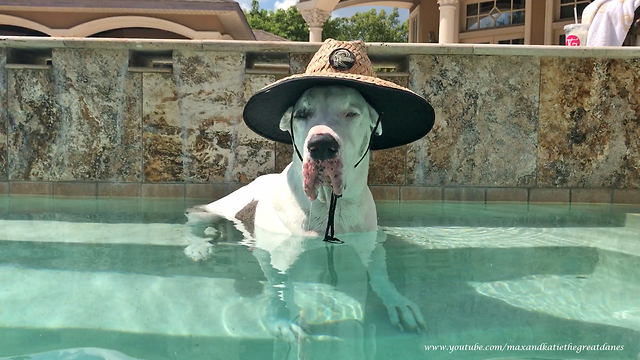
x: 323, y: 147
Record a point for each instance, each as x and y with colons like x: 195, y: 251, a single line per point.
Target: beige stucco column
x: 315, y: 18
x: 448, y: 14
x: 548, y: 22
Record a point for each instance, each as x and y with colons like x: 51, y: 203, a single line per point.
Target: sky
x: 278, y: 4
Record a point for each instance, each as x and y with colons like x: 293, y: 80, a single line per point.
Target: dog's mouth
x: 317, y: 173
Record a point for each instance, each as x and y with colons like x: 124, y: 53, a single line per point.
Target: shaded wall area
x: 531, y: 126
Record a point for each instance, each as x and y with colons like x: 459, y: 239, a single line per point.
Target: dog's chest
x: 279, y: 217
x: 346, y: 219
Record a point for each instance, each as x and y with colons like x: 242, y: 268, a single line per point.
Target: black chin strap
x: 375, y: 128
x: 293, y: 140
x: 330, y: 232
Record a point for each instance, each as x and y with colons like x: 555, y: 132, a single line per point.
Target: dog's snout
x: 323, y: 147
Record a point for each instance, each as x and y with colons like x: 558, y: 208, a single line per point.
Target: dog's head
x: 331, y: 127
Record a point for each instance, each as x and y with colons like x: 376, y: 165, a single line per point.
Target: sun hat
x: 404, y: 115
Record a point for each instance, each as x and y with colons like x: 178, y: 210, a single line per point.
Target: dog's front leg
x: 282, y: 311
x: 204, y: 229
x: 403, y: 313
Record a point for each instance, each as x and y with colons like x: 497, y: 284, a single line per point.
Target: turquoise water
x: 118, y: 279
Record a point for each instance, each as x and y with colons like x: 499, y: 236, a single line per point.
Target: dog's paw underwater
x: 404, y: 313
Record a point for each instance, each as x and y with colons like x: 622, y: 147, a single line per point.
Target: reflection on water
x: 315, y: 293
x: 580, y: 298
x: 321, y: 304
x: 476, y: 274
x: 605, y: 296
x: 620, y: 239
x: 76, y: 354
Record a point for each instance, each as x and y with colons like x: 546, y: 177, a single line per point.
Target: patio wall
x: 519, y: 123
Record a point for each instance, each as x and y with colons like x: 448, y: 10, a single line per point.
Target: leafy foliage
x: 370, y: 26
x: 288, y: 23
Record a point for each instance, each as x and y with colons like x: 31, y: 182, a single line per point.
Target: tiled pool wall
x: 537, y: 124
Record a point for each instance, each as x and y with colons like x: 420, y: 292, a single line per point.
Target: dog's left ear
x: 285, y: 120
x: 373, y: 114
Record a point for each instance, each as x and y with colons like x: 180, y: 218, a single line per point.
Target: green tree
x: 370, y: 26
x: 288, y: 23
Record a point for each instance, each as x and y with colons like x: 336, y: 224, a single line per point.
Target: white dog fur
x: 276, y: 214
x: 282, y: 206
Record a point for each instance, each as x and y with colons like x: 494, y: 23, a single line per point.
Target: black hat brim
x: 404, y: 115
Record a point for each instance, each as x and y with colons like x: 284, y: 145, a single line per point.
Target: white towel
x: 609, y: 21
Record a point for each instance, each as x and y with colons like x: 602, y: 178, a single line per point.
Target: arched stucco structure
x: 24, y: 23
x: 120, y: 22
x: 113, y: 23
x: 316, y: 12
x: 184, y: 19
x: 402, y: 4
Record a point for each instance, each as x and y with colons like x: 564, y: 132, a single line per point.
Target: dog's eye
x: 351, y: 114
x: 302, y: 114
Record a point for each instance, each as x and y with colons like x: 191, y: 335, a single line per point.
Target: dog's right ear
x: 285, y: 121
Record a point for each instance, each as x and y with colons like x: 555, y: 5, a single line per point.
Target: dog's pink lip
x: 322, y: 172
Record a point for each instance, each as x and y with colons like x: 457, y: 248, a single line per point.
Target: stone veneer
x: 589, y: 126
x: 192, y: 122
x: 538, y: 124
x: 66, y: 125
x: 3, y: 119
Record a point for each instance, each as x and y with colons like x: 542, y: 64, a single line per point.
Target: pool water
x: 118, y: 279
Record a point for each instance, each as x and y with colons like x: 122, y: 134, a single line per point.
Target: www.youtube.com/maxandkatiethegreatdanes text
x: 540, y: 347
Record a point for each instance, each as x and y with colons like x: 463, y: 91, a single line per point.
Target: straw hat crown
x: 353, y: 55
x: 344, y: 60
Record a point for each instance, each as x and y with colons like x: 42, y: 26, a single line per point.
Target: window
x: 502, y: 39
x: 414, y: 18
x: 519, y: 41
x: 414, y: 30
x: 492, y: 22
x: 494, y: 13
x: 566, y: 8
x: 563, y: 15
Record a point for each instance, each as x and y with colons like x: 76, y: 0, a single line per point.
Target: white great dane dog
x: 332, y: 125
x: 322, y: 191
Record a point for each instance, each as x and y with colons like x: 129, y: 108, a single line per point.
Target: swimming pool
x: 110, y: 279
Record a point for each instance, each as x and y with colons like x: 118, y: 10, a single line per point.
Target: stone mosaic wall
x: 3, y: 116
x: 64, y: 124
x: 589, y: 128
x: 193, y: 129
x: 486, y: 120
x: 507, y: 128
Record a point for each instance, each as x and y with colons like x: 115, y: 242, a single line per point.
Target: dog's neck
x: 348, y: 216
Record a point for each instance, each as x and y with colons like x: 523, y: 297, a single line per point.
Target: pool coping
x: 307, y: 47
x: 398, y: 193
